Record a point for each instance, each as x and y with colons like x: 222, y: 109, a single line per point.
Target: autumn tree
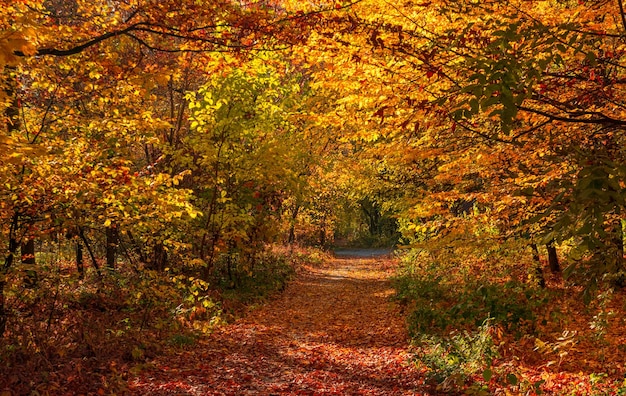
x: 514, y: 106
x: 242, y: 153
x: 95, y: 102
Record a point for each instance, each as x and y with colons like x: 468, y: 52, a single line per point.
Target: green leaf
x: 487, y: 374
x: 489, y: 101
x: 474, y: 106
x: 591, y: 57
x: 476, y: 89
x: 512, y: 379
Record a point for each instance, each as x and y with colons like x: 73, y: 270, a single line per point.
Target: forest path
x: 333, y: 331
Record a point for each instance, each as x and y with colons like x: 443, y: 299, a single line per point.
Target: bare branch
x: 621, y: 12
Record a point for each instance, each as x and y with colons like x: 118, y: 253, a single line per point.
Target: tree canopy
x: 184, y: 138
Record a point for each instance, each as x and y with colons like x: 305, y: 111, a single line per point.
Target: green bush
x: 438, y: 306
x: 452, y: 360
x: 441, y: 298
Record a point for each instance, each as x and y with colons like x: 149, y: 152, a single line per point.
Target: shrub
x: 437, y: 305
x: 441, y: 296
x: 248, y: 279
x: 452, y: 360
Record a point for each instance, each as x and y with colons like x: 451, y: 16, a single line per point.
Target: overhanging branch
x: 600, y: 119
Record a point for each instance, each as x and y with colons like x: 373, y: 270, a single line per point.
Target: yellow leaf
x: 162, y: 79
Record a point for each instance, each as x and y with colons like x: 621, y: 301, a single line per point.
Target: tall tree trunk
x: 292, y: 227
x: 553, y: 258
x: 137, y: 248
x: 12, y: 124
x: 82, y: 235
x: 111, y: 246
x: 373, y: 215
x: 80, y: 266
x: 159, y: 257
x: 8, y: 263
x: 12, y: 113
x: 538, y: 267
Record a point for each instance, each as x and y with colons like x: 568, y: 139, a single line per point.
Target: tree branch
x: 79, y: 48
x: 621, y: 12
x: 603, y: 120
x: 173, y: 32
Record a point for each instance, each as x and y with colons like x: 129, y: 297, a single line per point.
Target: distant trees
x: 516, y: 105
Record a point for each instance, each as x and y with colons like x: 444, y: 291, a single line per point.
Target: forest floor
x: 338, y: 328
x: 333, y: 330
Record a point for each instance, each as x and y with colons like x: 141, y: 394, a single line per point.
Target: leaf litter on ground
x: 332, y: 331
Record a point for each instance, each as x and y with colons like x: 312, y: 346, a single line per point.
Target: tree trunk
x: 82, y: 235
x: 8, y: 263
x: 111, y: 246
x: 292, y: 227
x: 373, y: 215
x: 159, y: 257
x: 553, y: 258
x: 138, y: 249
x: 538, y: 267
x: 533, y: 246
x: 79, y: 260
x: 27, y: 249
x: 12, y: 124
x: 12, y: 112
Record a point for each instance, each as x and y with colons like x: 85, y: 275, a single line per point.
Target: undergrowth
x: 481, y: 323
x: 443, y: 298
x: 244, y: 282
x: 88, y: 334
x: 456, y: 301
x: 452, y: 359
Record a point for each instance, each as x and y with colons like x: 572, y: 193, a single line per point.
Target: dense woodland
x: 165, y: 163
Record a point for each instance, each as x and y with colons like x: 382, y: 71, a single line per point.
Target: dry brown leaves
x: 333, y: 331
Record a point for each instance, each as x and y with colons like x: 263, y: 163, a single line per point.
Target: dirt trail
x: 333, y: 331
